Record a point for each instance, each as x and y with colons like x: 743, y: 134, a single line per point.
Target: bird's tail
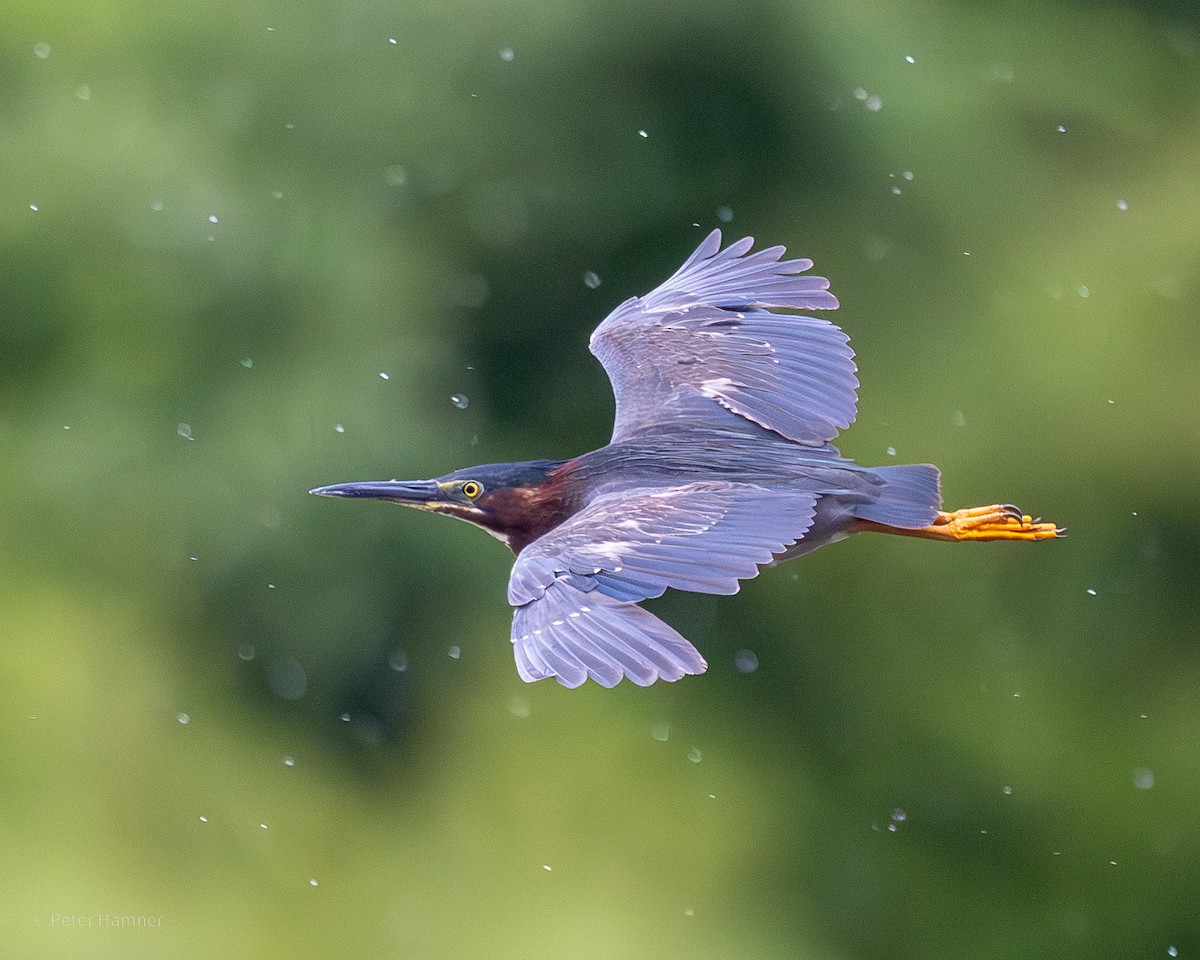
x: 910, y: 498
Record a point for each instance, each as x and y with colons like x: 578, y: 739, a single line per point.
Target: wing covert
x: 575, y: 588
x: 708, y: 335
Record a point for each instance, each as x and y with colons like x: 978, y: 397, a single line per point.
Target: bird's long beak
x: 413, y: 493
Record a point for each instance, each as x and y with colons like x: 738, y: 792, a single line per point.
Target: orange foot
x: 1000, y: 521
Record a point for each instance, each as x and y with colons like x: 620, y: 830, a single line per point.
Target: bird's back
x: 682, y: 455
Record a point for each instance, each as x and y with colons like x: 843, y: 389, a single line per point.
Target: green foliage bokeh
x: 222, y: 224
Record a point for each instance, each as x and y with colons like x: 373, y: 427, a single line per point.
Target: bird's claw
x: 999, y: 521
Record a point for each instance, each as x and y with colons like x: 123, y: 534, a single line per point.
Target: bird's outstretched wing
x: 707, y: 334
x: 575, y: 588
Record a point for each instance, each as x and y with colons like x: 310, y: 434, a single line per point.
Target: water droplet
x: 1082, y: 291
x: 183, y: 718
x: 508, y: 54
x: 695, y: 755
x: 1061, y: 128
x: 41, y: 50
x: 908, y: 174
x: 860, y: 93
x: 383, y: 376
x: 286, y: 678
x: 185, y: 431
x: 897, y: 191
x: 460, y: 400
x: 246, y: 651
x: 643, y: 134
x: 899, y: 815
x: 246, y: 362
x: 83, y: 92
x: 1091, y: 591
x: 395, y: 175
x: 33, y: 207
x: 262, y: 826
x: 959, y: 419
x: 345, y: 718
x: 661, y: 731
x: 518, y: 707
x: 338, y: 428
x: 546, y: 867
x: 455, y: 652
x: 289, y: 762
x: 277, y: 194
x: 1122, y: 205
x: 746, y: 661
x: 312, y: 882
x: 204, y: 819
x: 1143, y: 778
x: 725, y: 214
x: 212, y: 218
x: 1172, y: 951
x: 891, y: 451
x: 193, y: 558
x: 398, y: 662
x: 157, y: 206
x: 874, y: 103
x: 591, y: 280
x: 1007, y: 790
x: 910, y: 59
x: 689, y: 911
x: 392, y: 40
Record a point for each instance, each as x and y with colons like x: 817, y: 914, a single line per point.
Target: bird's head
x: 515, y: 502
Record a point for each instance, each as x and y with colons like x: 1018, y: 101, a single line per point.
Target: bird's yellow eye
x: 471, y: 489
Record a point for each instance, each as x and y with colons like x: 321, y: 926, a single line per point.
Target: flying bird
x: 720, y: 464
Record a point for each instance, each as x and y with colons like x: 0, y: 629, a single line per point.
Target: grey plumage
x: 720, y: 464
x: 724, y: 412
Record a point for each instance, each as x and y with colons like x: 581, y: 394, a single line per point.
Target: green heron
x: 720, y: 463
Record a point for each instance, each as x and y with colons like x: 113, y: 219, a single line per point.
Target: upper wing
x: 575, y: 588
x: 707, y: 334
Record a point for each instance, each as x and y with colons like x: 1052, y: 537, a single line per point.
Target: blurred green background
x: 291, y: 727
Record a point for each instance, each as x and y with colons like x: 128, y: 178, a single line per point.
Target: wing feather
x: 576, y: 589
x: 707, y: 334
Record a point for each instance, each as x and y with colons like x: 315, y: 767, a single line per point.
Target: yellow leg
x: 1000, y: 521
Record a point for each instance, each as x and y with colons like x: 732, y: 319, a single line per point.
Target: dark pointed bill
x: 400, y: 491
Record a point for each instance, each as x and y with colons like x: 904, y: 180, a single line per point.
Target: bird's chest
x: 528, y: 514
